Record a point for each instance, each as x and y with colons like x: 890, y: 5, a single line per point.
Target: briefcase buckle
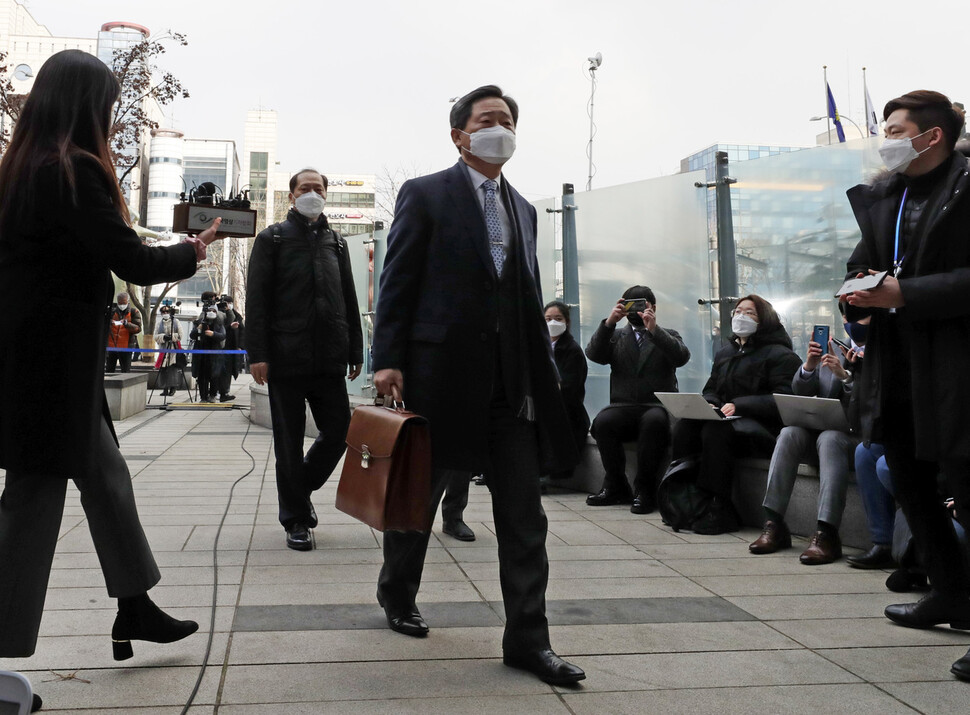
x: 364, y: 457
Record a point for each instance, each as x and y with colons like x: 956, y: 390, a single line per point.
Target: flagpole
x: 828, y: 119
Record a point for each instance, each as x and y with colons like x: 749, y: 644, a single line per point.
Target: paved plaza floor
x: 661, y: 622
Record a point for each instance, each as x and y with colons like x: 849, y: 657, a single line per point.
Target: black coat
x: 635, y: 374
x: 749, y: 375
x: 301, y: 302
x: 436, y: 313
x: 59, y: 262
x: 936, y: 289
x: 235, y: 340
x: 571, y: 364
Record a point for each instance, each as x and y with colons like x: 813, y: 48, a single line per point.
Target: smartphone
x: 635, y: 305
x: 845, y: 346
x: 820, y: 335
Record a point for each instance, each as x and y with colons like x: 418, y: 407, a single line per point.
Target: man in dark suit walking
x: 460, y: 334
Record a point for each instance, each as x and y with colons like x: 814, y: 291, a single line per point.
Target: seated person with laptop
x: 757, y: 363
x: 824, y: 375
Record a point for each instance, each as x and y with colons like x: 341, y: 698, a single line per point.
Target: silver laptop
x: 690, y: 406
x: 817, y: 413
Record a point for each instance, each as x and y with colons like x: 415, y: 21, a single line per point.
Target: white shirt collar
x: 478, y: 178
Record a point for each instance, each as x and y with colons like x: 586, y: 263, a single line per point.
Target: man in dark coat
x: 235, y: 335
x: 208, y: 333
x: 643, y: 359
x: 460, y: 334
x: 914, y: 391
x: 304, y: 339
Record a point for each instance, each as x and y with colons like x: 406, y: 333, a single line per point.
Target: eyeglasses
x: 750, y: 313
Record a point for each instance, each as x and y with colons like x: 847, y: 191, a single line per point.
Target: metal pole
x: 828, y: 118
x: 592, y: 127
x: 727, y: 269
x: 570, y: 258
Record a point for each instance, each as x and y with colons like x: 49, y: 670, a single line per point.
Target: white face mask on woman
x: 556, y: 328
x: 744, y: 325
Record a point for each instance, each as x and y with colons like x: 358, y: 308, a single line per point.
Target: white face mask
x: 310, y: 204
x: 211, y: 315
x: 556, y: 328
x: 898, y: 154
x: 122, y: 307
x: 743, y: 325
x: 494, y: 145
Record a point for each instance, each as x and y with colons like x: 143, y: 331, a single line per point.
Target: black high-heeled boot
x: 140, y: 619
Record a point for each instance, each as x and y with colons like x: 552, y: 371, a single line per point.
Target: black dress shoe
x: 905, y: 580
x: 547, y: 666
x: 36, y: 704
x: 458, y: 530
x: 479, y: 480
x: 933, y: 609
x: 961, y: 668
x: 718, y: 518
x: 226, y: 398
x: 880, y: 556
x: 298, y: 538
x: 140, y: 619
x: 643, y: 504
x: 608, y: 497
x: 407, y: 621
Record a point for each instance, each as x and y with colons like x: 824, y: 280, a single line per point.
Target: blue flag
x: 834, y: 114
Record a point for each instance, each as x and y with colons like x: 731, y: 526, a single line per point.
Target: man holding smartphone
x: 643, y: 359
x: 913, y: 390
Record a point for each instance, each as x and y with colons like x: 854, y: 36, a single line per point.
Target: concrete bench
x: 259, y: 413
x: 751, y: 478
x: 126, y: 392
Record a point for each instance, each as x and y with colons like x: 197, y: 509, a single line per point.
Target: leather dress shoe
x: 458, y: 530
x: 961, y: 668
x: 822, y: 549
x: 718, y: 518
x: 547, y: 666
x: 933, y: 609
x: 36, y: 703
x: 880, y: 556
x: 775, y: 536
x: 609, y: 497
x: 479, y: 480
x: 298, y: 538
x: 643, y: 504
x: 904, y: 580
x: 407, y: 621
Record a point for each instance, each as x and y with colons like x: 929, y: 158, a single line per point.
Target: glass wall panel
x: 794, y: 229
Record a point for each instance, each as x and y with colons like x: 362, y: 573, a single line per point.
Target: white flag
x: 872, y: 121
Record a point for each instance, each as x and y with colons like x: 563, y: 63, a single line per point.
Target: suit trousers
x: 298, y: 476
x: 520, y: 527
x: 456, y: 497
x: 831, y: 450
x: 915, y: 480
x: 112, y: 359
x: 31, y: 508
x: 649, y: 426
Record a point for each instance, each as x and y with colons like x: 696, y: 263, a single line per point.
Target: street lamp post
x: 842, y: 116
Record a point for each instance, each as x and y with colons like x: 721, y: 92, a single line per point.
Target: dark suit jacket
x: 59, y: 262
x: 437, y: 312
x: 573, y: 370
x: 635, y: 374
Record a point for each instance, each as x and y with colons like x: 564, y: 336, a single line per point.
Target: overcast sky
x: 361, y: 85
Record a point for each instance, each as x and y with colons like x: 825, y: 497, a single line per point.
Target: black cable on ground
x: 215, y: 571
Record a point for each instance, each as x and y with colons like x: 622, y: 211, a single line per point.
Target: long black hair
x: 66, y: 116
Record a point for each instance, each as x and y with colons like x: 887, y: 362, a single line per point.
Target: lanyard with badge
x: 897, y: 259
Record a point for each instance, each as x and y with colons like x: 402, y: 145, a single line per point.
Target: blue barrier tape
x: 173, y: 350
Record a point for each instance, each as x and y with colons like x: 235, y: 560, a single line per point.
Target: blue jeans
x: 875, y: 486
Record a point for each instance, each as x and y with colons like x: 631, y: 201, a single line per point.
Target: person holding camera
x: 643, y: 359
x: 124, y: 326
x: 233, y: 364
x: 64, y: 228
x: 304, y: 340
x: 168, y: 336
x: 208, y: 333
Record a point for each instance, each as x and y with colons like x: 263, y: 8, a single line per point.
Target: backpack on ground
x: 680, y: 501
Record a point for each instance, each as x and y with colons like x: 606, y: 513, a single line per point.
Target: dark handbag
x: 386, y: 477
x: 680, y: 501
x: 167, y: 377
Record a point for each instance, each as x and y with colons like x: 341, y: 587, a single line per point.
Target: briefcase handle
x: 389, y: 402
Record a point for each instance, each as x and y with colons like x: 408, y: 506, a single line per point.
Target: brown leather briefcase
x: 386, y: 478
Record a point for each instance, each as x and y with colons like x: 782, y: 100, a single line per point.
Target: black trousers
x: 649, y: 427
x: 917, y: 492
x: 719, y: 444
x: 520, y: 527
x: 298, y: 476
x: 456, y: 497
x: 112, y: 359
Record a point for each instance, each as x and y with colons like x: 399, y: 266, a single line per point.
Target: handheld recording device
x: 634, y: 305
x: 820, y: 335
x: 205, y: 203
x: 842, y: 344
